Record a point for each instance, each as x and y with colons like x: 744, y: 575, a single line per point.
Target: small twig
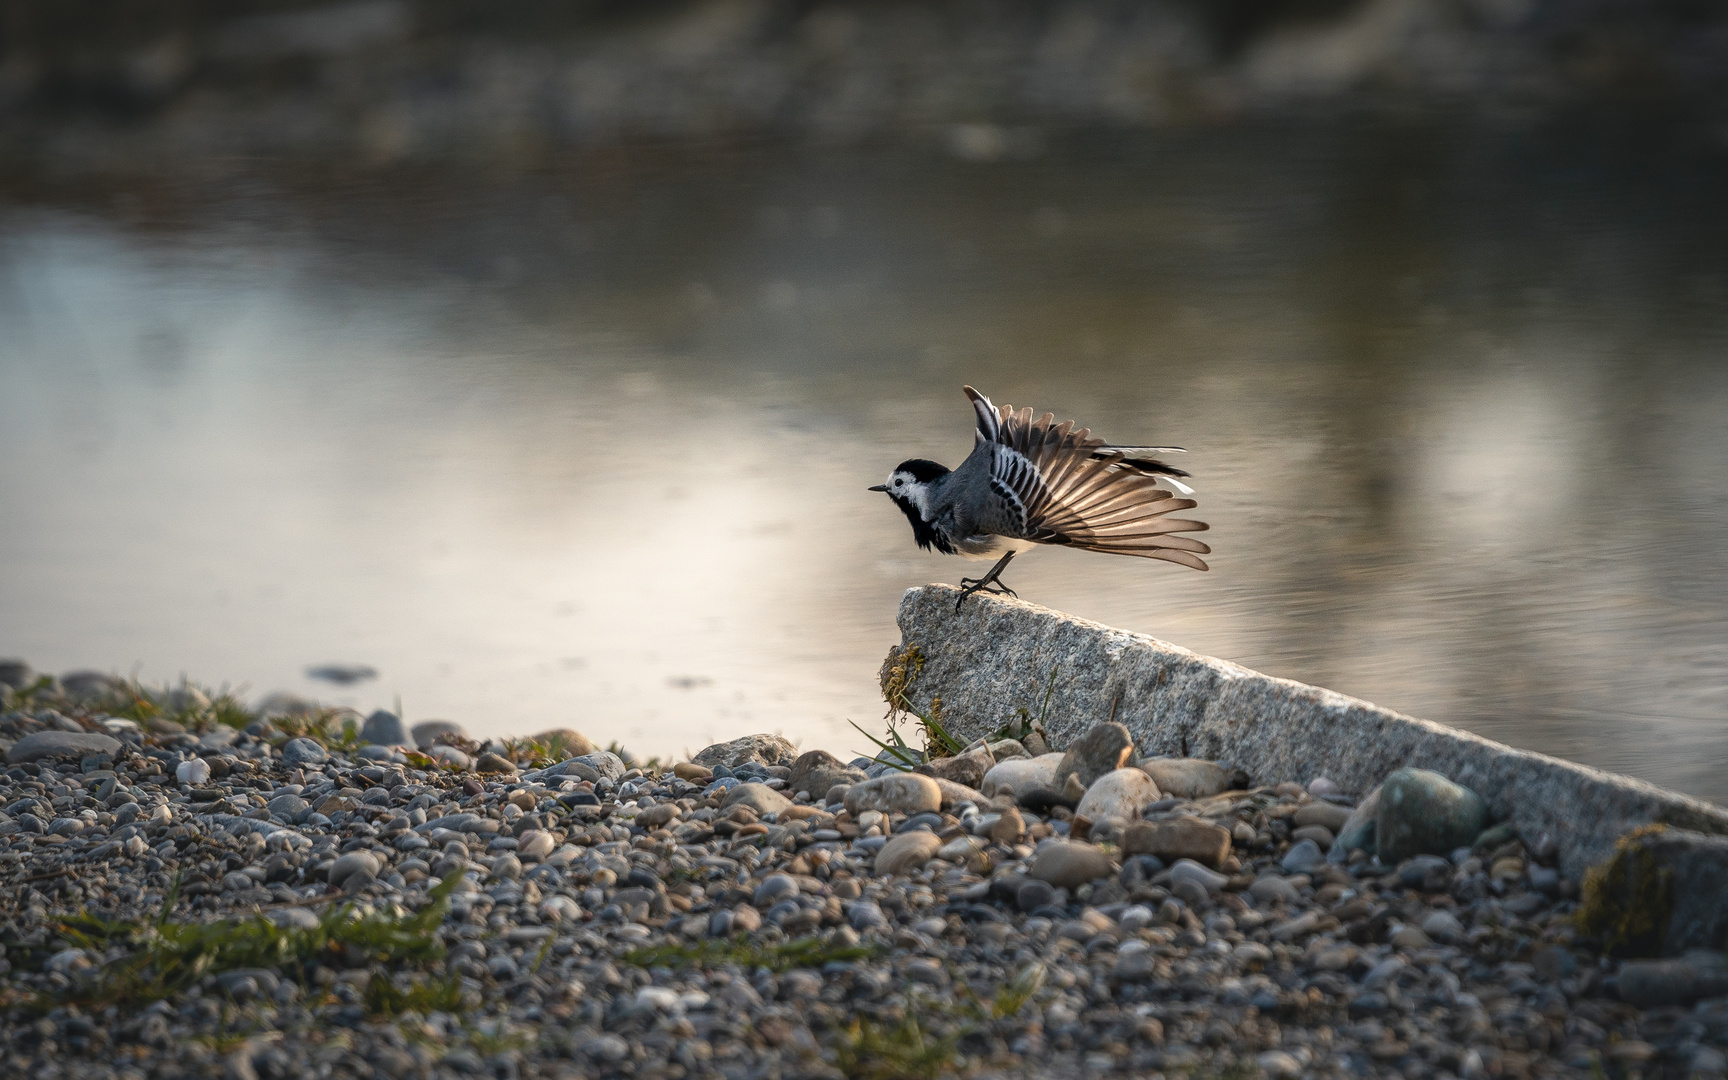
x: 62, y: 872
x: 1115, y: 701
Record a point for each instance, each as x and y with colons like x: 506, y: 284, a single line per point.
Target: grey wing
x: 1062, y: 486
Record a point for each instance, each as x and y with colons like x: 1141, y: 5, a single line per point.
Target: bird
x: 1034, y: 481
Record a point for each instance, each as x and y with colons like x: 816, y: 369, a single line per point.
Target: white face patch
x: 902, y: 485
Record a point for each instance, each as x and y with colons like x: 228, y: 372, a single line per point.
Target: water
x: 588, y: 446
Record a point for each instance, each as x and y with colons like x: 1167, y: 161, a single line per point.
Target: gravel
x: 651, y: 923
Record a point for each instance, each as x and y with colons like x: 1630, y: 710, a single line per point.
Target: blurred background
x: 538, y: 355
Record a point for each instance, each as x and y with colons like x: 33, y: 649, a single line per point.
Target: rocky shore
x: 370, y: 83
x: 192, y: 888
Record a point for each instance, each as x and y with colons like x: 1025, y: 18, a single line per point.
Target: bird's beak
x: 878, y: 487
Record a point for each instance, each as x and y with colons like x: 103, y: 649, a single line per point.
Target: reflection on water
x: 589, y: 447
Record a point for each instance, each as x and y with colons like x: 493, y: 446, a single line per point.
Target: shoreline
x: 264, y: 902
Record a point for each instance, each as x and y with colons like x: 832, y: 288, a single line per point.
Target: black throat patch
x: 922, y: 531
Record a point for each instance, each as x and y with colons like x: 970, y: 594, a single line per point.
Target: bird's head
x: 909, y: 486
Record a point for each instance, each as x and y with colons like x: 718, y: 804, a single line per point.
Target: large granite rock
x: 1180, y: 704
x: 767, y: 749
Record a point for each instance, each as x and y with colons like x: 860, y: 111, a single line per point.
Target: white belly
x: 990, y: 547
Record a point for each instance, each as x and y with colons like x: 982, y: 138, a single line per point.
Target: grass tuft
x: 867, y: 1050
x: 900, y: 753
x: 1017, y: 992
x: 899, y: 672
x: 165, y: 957
x: 335, y: 729
x: 384, y: 998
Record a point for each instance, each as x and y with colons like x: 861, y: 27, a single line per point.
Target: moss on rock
x: 1628, y: 900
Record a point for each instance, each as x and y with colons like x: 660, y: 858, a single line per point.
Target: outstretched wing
x: 1066, y: 487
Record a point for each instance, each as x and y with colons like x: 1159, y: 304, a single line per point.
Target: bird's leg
x: 972, y: 585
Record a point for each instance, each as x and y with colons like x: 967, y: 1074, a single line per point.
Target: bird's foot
x: 968, y: 586
x: 990, y: 585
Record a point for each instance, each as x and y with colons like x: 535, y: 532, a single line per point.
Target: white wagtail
x: 1032, y: 482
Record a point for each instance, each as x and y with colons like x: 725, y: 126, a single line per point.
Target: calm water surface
x: 588, y: 445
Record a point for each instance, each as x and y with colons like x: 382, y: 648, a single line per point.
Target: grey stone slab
x: 61, y: 744
x: 995, y: 655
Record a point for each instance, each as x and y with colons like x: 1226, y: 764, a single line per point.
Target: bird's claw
x: 968, y: 586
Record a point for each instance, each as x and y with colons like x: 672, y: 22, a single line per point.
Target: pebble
x: 763, y: 749
x: 1188, y: 778
x: 1424, y: 813
x: 907, y: 851
x: 760, y: 798
x: 287, y: 807
x: 1651, y: 984
x: 1120, y: 794
x: 1003, y: 749
x: 1189, y: 870
x: 1444, y: 927
x: 1068, y: 864
x: 535, y: 844
x: 1033, y: 894
x: 1009, y: 827
x: 968, y: 768
x: 1103, y: 749
x: 357, y: 862
x: 1302, y: 858
x: 303, y: 752
x: 449, y: 755
x: 1180, y: 838
x: 384, y: 728
x: 1273, y: 889
x: 1359, y: 830
x: 195, y: 772
x: 898, y: 793
x: 48, y: 744
x: 1021, y: 774
x: 426, y: 732
x: 1329, y: 816
x: 818, y: 771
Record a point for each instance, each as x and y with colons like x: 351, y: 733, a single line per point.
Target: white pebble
x: 196, y: 771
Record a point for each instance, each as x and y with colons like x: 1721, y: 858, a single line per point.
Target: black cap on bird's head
x: 912, y: 470
x: 907, y: 486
